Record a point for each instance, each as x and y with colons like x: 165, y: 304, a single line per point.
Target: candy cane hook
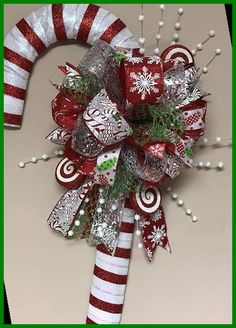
x: 33, y: 34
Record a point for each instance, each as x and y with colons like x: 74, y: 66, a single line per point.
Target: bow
x: 128, y: 125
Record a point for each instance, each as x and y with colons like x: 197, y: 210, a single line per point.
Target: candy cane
x: 34, y: 34
x: 110, y: 276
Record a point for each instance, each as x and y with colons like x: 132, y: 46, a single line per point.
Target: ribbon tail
x: 63, y: 214
x: 154, y: 232
x: 110, y: 276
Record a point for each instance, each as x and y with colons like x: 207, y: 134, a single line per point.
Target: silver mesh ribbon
x: 100, y: 62
x: 106, y: 222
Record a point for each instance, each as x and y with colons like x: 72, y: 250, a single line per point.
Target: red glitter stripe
x: 31, y: 36
x: 13, y: 119
x: 105, y: 306
x: 87, y: 22
x: 128, y: 204
x: 89, y: 321
x: 120, y: 252
x: 110, y: 277
x: 13, y: 91
x: 127, y: 227
x: 17, y: 59
x: 113, y: 30
x: 58, y: 22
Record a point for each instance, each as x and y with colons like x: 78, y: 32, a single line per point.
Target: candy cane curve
x: 45, y: 26
x: 110, y: 276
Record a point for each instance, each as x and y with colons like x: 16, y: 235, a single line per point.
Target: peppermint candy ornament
x: 146, y: 201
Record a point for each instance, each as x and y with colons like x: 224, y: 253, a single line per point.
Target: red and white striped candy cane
x: 33, y: 34
x: 110, y: 276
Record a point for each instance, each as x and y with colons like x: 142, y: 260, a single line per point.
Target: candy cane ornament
x: 32, y: 35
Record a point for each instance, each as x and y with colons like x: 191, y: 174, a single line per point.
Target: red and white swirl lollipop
x: 67, y: 173
x: 146, y: 201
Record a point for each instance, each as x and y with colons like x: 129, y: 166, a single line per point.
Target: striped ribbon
x: 110, y: 276
x: 43, y: 27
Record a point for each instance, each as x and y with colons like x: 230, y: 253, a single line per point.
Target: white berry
x: 180, y: 11
x: 218, y: 139
x: 174, y: 196
x: 141, y: 51
x: 101, y: 200
x: 77, y: 223
x: 86, y: 200
x: 180, y: 202
x: 70, y: 233
x: 205, y: 140
x: 141, y: 40
x: 199, y: 46
x: 140, y: 245
x: 114, y: 207
x: 218, y: 52
x: 188, y: 211
x: 178, y: 26
x: 193, y: 52
x: 158, y: 36
x: 162, y: 7
x: 104, y: 224
x: 99, y: 210
x: 137, y: 217
x: 138, y: 232
x: 156, y: 51
x: 45, y: 157
x: 220, y: 165
x: 34, y: 159
x: 175, y: 37
x: 141, y: 18
x: 208, y: 165
x: 194, y: 218
x: 161, y: 24
x: 211, y: 34
x: 205, y: 70
x: 81, y: 212
x: 200, y: 164
x: 21, y: 165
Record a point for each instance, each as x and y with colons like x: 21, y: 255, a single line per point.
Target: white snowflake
x: 157, y: 215
x: 167, y: 247
x: 156, y: 235
x: 149, y: 253
x: 135, y: 60
x: 154, y: 60
x: 144, y: 82
x: 143, y: 224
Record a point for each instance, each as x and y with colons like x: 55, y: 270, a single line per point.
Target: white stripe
x: 13, y: 105
x: 16, y: 41
x: 107, y: 297
x: 124, y: 244
x: 98, y: 321
x: 34, y: 23
x: 110, y: 268
x: 92, y: 37
x: 72, y: 16
x: 106, y: 316
x: 121, y: 38
x: 181, y: 51
x: 113, y: 259
x: 130, y: 43
x: 10, y: 67
x: 105, y: 23
x: 14, y: 75
x: 118, y: 289
x: 11, y: 125
x: 125, y: 236
x: 81, y: 9
x: 43, y: 17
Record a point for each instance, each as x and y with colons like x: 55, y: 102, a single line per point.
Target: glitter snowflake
x: 154, y: 60
x: 143, y: 224
x: 158, y: 215
x: 156, y: 235
x: 144, y: 83
x: 135, y: 60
